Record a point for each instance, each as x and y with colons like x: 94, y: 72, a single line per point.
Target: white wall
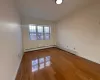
x: 32, y: 44
x: 81, y: 30
x: 10, y: 40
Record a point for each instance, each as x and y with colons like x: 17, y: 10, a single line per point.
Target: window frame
x: 32, y: 32
x: 48, y: 33
x: 43, y: 32
x: 38, y: 32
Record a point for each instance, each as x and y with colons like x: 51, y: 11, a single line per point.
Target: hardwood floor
x: 56, y: 64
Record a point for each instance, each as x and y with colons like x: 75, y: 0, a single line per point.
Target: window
x: 32, y: 32
x: 39, y: 32
x: 47, y: 33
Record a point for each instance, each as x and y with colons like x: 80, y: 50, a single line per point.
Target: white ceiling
x: 48, y: 10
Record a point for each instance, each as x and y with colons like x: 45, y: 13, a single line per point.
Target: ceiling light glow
x: 59, y: 1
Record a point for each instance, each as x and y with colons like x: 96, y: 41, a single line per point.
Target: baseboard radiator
x: 38, y: 48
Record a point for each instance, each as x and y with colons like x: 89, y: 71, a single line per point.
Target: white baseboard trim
x: 20, y: 58
x: 62, y: 48
x: 38, y: 48
x: 92, y: 60
x: 68, y: 50
x: 77, y: 54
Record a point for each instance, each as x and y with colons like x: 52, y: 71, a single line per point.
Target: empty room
x: 49, y: 39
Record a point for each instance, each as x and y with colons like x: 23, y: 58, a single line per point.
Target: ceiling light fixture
x: 58, y: 1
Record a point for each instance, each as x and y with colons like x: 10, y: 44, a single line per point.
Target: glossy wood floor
x: 55, y: 64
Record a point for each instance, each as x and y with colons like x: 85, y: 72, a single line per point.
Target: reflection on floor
x: 36, y: 65
x: 40, y: 63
